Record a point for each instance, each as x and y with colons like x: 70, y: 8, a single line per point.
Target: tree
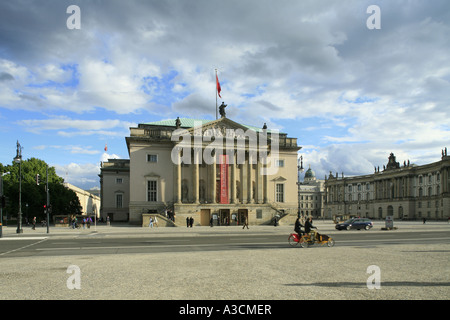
x: 34, y: 197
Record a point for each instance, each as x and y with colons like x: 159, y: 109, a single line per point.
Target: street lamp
x: 299, y: 169
x: 18, y: 159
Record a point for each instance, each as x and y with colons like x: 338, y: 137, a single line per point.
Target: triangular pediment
x: 279, y: 179
x: 219, y: 127
x: 152, y: 175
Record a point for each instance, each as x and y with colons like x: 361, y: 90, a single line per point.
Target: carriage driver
x: 297, y: 227
x: 308, y: 227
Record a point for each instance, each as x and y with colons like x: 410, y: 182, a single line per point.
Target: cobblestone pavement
x: 406, y: 271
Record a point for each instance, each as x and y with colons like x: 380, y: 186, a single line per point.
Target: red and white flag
x: 218, y: 86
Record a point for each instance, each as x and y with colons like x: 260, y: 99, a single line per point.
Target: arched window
x: 390, y: 211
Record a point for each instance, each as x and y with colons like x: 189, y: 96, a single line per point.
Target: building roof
x: 191, y: 123
x: 310, y: 173
x: 185, y: 122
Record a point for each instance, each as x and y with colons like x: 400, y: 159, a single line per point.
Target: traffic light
x: 38, y: 179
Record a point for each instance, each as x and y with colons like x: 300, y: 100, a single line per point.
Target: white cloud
x: 63, y: 125
x: 79, y: 174
x: 377, y: 90
x: 74, y: 149
x: 106, y: 156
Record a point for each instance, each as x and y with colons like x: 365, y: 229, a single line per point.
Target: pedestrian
x: 156, y: 221
x: 34, y: 223
x: 187, y: 222
x: 89, y: 220
x: 211, y: 221
x: 84, y: 223
x: 191, y: 222
x: 150, y: 223
x: 245, y: 223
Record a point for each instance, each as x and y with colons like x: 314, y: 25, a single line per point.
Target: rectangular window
x: 119, y: 180
x: 259, y: 214
x: 280, y: 163
x: 151, y: 191
x: 152, y: 158
x: 119, y: 201
x: 279, y: 192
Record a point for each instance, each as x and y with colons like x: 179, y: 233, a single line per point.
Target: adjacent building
x: 115, y: 189
x: 90, y: 203
x: 311, y: 195
x: 405, y: 191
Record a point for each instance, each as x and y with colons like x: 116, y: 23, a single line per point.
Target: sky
x: 317, y: 70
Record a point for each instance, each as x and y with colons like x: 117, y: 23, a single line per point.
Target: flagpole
x: 216, y: 93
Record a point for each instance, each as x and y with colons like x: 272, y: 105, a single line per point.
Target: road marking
x: 168, y: 240
x: 155, y: 246
x: 25, y: 238
x: 32, y: 244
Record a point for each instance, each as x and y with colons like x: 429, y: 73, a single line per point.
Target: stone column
x: 195, y: 177
x: 250, y: 178
x: 265, y: 187
x: 213, y: 180
x: 259, y: 184
x: 178, y: 179
x: 244, y: 179
x: 233, y: 179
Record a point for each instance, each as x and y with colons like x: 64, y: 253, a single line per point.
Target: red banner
x: 223, y: 179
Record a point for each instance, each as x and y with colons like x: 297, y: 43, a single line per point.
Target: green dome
x: 310, y: 173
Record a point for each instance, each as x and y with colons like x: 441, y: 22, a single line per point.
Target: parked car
x: 355, y: 223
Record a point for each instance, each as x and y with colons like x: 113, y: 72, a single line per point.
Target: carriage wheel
x: 292, y: 240
x: 330, y: 242
x: 304, y: 243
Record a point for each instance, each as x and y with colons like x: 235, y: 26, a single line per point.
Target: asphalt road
x: 97, y: 243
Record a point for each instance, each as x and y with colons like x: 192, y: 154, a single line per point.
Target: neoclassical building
x: 405, y: 191
x: 115, y: 189
x: 311, y: 195
x: 220, y: 170
x: 90, y: 203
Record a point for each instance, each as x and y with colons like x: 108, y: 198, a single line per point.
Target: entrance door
x: 224, y: 216
x: 205, y: 216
